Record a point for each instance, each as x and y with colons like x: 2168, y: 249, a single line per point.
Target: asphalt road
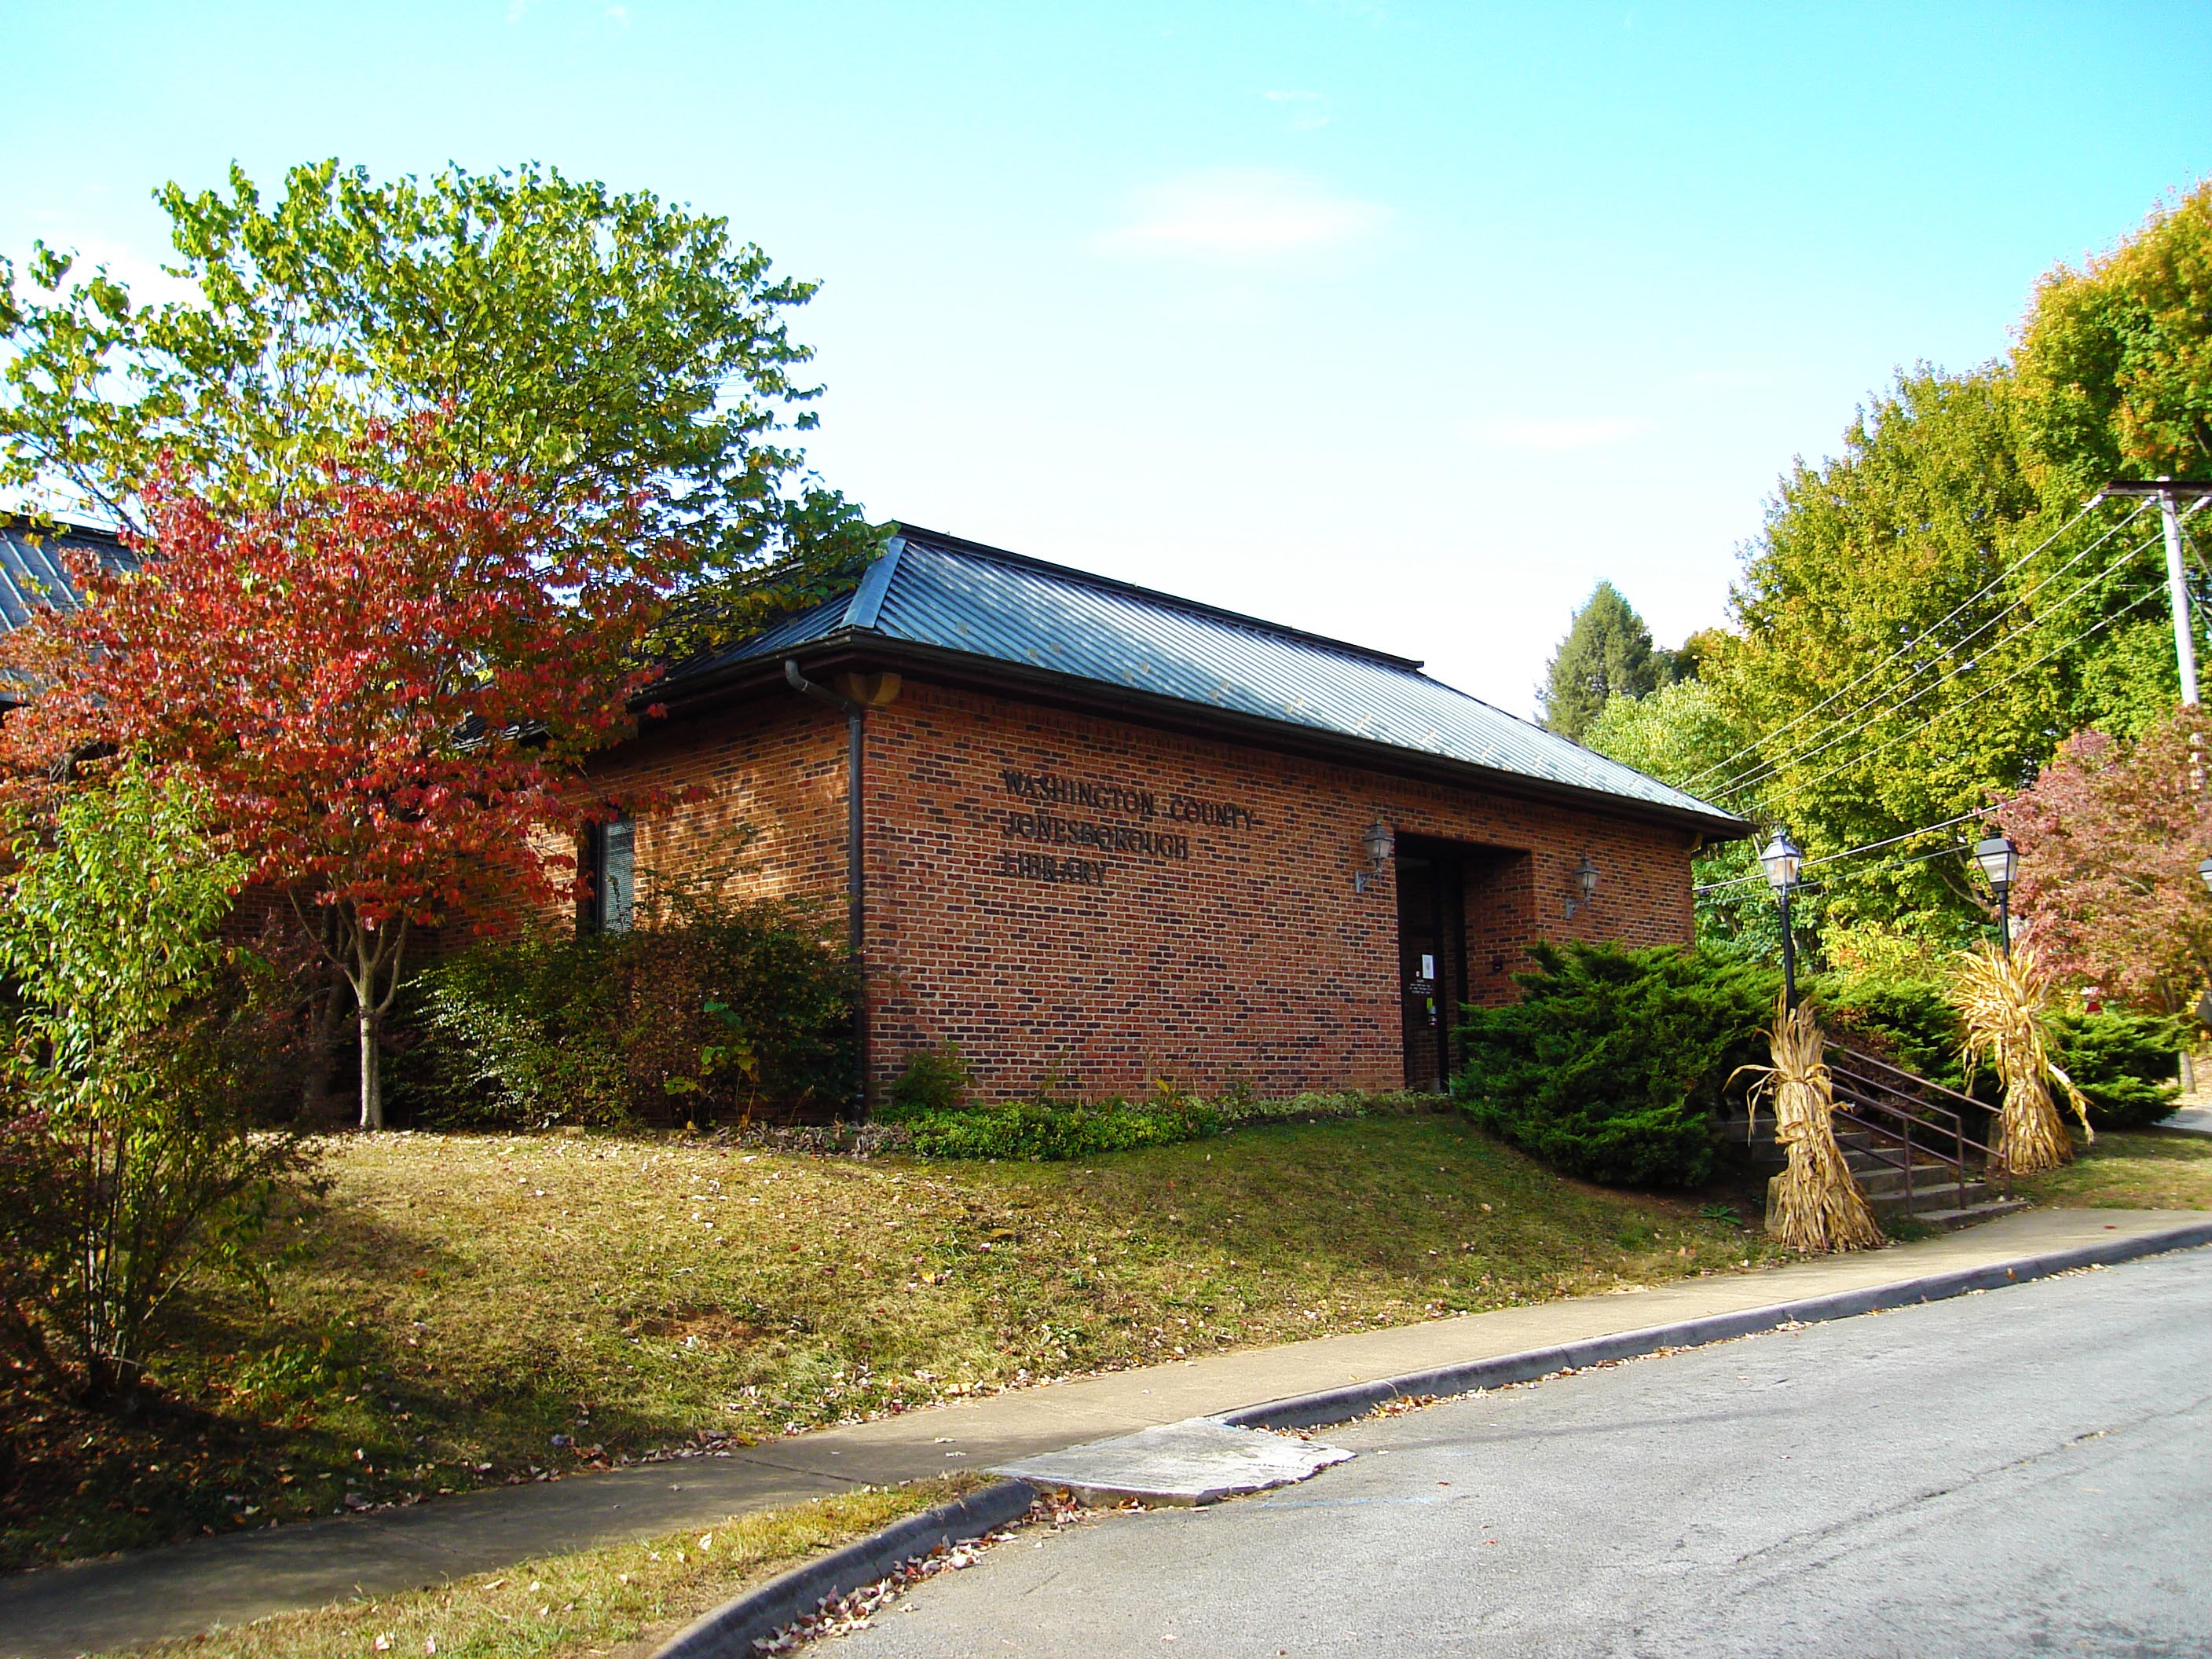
x: 2026, y: 1471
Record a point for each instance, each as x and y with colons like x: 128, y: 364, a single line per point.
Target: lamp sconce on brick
x: 1379, y: 844
x: 1585, y: 893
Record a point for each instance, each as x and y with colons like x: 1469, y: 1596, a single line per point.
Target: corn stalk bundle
x: 1816, y: 1203
x: 2006, y: 1002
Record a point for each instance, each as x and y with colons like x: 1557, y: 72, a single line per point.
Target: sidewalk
x: 188, y: 1588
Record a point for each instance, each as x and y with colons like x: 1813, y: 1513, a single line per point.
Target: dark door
x: 1432, y: 961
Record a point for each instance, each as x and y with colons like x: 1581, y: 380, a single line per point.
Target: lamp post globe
x: 2204, y: 873
x: 2000, y: 862
x: 1999, y: 859
x: 1782, y: 861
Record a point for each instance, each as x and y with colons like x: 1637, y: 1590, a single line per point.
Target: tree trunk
x: 372, y: 1072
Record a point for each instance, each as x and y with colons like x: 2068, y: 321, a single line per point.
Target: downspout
x: 855, y: 878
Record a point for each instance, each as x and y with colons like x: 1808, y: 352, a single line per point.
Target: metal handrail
x: 1863, y: 1057
x: 1855, y: 1108
x: 1951, y: 1123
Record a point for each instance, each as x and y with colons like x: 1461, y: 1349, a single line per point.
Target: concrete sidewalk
x: 190, y: 1588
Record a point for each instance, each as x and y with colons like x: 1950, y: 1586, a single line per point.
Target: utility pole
x: 2170, y: 492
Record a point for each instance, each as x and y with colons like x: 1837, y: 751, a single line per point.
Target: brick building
x: 1104, y: 836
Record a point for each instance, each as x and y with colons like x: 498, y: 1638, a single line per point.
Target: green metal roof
x: 937, y: 591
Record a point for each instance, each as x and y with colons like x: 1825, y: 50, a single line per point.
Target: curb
x: 728, y: 1632
x: 1309, y: 1411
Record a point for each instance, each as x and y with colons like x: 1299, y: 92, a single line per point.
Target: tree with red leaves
x: 388, y: 684
x: 2110, y: 838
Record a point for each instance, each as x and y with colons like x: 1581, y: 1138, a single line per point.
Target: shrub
x: 128, y: 1164
x: 1612, y: 1061
x: 711, y: 1009
x: 1049, y: 1131
x: 934, y: 1081
x: 2124, y: 1063
x: 1904, y: 1018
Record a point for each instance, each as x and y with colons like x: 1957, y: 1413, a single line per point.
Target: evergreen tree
x: 1606, y: 652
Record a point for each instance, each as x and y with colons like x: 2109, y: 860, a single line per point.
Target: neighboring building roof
x: 946, y: 595
x: 34, y: 572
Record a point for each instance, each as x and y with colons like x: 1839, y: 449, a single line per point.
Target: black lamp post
x: 1782, y: 860
x: 2000, y: 862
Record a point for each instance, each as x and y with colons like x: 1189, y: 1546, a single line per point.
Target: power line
x: 1752, y: 777
x: 1855, y: 851
x: 1859, y: 760
x: 1899, y: 863
x: 1764, y: 767
x: 1993, y: 584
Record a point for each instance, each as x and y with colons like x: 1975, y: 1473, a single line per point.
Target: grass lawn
x: 628, y: 1597
x: 474, y: 1309
x: 2143, y: 1170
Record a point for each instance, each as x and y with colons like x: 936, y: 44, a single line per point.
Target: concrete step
x: 1949, y: 1195
x: 1878, y: 1179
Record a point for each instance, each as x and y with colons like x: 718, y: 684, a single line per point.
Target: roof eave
x: 963, y: 669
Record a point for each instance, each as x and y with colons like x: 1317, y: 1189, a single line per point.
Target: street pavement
x: 188, y: 1588
x: 2022, y: 1471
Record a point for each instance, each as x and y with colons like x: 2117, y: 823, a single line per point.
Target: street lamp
x: 2204, y: 872
x: 2000, y: 862
x: 1782, y: 860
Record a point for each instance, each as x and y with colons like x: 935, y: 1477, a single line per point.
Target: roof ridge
x: 961, y: 545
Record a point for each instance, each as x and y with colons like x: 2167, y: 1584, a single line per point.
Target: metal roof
x: 34, y: 572
x: 938, y: 591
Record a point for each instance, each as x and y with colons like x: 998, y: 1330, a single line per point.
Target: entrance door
x: 1432, y: 961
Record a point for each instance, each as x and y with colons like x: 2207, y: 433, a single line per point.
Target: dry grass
x: 2132, y: 1170
x: 2004, y: 1001
x: 1818, y: 1204
x: 462, y: 1300
x: 568, y: 1606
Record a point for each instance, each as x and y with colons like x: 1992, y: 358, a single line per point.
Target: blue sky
x: 1401, y: 322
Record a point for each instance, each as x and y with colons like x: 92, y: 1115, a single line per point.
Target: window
x: 614, y: 877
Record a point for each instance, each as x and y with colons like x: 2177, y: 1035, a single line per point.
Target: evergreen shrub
x: 711, y: 1010
x: 1612, y: 1062
x: 2124, y: 1063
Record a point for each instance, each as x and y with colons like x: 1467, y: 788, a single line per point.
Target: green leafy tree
x: 1607, y: 654
x: 2115, y: 364
x: 125, y: 1166
x: 1685, y: 730
x: 1918, y: 629
x: 591, y: 341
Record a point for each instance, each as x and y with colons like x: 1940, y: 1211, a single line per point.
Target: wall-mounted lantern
x: 1585, y: 874
x: 1380, y: 845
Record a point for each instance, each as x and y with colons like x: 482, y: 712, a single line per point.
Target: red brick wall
x: 770, y: 822
x: 1252, y: 958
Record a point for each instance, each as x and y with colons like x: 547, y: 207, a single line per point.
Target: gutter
x: 856, y: 868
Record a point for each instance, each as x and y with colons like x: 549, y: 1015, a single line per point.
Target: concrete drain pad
x: 1198, y: 1460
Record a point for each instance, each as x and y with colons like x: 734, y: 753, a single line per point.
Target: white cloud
x: 1550, y: 435
x: 1240, y: 213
